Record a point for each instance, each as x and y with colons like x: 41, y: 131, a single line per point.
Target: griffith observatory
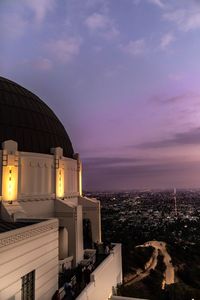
x: 42, y: 209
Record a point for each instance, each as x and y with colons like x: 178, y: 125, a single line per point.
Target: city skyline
x: 123, y: 77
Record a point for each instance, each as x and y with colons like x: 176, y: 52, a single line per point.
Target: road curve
x: 169, y: 272
x: 151, y: 264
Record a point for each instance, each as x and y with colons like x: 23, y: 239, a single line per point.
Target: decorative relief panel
x: 15, y: 238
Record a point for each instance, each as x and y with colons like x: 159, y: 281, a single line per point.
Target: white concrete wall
x: 23, y: 250
x: 79, y: 234
x: 70, y: 216
x: 38, y: 208
x: 37, y: 188
x: 92, y: 211
x: 104, y: 278
x: 63, y: 243
x: 70, y: 175
x: 36, y: 175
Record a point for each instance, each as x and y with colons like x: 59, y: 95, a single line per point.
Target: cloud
x: 103, y: 4
x: 111, y: 33
x: 96, y: 21
x: 40, y: 8
x: 111, y: 161
x: 178, y: 98
x: 64, y: 50
x: 161, y: 174
x: 14, y: 21
x: 134, y: 48
x: 101, y: 24
x: 186, y: 19
x: 136, y: 2
x: 191, y: 137
x: 43, y: 64
x: 157, y: 3
x: 13, y: 25
x: 166, y: 40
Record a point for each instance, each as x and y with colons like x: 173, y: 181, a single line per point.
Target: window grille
x: 28, y: 286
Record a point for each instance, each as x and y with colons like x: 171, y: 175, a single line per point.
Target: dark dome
x: 26, y: 119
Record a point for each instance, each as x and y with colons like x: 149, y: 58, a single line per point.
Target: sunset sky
x: 124, y: 78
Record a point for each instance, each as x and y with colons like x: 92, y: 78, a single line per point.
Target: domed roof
x: 26, y: 119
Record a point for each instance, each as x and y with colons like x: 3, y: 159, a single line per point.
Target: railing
x: 78, y: 278
x: 107, y: 274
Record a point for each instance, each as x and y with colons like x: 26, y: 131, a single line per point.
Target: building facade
x: 42, y: 210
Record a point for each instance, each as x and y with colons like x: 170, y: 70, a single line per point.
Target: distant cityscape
x: 171, y: 216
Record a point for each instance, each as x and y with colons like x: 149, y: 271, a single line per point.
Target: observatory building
x: 42, y: 210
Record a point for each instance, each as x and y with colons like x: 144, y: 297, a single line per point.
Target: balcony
x: 95, y: 276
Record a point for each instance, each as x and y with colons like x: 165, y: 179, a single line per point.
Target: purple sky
x: 124, y: 78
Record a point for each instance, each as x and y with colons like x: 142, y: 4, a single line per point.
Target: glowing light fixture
x: 80, y: 178
x: 60, y: 183
x: 10, y: 183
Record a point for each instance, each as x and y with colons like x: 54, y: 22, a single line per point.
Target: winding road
x: 151, y: 264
